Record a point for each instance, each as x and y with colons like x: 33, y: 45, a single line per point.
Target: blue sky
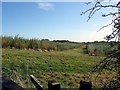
x: 53, y: 21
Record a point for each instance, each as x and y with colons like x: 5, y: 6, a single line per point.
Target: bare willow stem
x: 112, y: 60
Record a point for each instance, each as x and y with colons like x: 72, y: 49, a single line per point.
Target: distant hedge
x: 36, y: 44
x: 99, y: 48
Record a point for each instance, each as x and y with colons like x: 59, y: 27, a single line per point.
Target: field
x: 66, y: 67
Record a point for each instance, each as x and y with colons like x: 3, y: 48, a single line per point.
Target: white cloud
x: 45, y: 6
x: 98, y: 36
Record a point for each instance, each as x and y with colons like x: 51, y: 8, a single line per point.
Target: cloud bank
x: 45, y: 6
x: 94, y: 36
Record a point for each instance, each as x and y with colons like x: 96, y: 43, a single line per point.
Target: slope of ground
x: 66, y: 67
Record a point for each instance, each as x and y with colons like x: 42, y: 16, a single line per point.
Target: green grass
x: 66, y: 67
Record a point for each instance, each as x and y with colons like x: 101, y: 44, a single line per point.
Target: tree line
x: 36, y: 44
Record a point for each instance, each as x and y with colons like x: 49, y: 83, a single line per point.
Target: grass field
x: 66, y: 67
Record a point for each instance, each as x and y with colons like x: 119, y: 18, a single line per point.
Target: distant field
x: 66, y: 67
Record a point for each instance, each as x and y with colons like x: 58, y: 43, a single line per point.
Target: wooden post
x: 85, y: 85
x: 52, y: 85
x: 36, y: 82
x: 8, y: 84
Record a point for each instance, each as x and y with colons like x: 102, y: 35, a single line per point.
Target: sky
x: 54, y: 21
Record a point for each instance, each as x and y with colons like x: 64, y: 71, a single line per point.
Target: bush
x: 98, y: 48
x: 44, y: 44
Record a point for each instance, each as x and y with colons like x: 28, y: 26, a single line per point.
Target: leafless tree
x: 112, y: 60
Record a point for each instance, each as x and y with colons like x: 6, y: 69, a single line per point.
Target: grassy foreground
x: 66, y: 67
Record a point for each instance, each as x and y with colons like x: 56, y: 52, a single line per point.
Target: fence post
x: 85, y: 85
x: 8, y: 84
x: 36, y: 82
x: 52, y: 85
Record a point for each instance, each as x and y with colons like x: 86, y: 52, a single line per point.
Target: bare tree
x: 112, y: 60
